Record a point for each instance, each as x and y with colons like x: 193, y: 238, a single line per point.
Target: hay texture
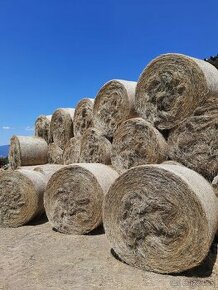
x: 194, y: 143
x: 95, y: 147
x: 42, y: 127
x: 72, y: 150
x: 62, y: 126
x: 83, y: 117
x: 27, y: 150
x: 172, y: 86
x: 21, y: 196
x: 55, y: 154
x: 215, y: 187
x: 114, y: 103
x: 161, y: 218
x: 137, y: 142
x: 74, y: 196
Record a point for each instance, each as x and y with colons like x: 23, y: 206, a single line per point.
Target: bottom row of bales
x: 160, y: 218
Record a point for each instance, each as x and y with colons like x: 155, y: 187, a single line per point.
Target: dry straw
x: 62, y: 126
x: 215, y: 185
x: 83, y: 117
x: 72, y: 150
x: 172, y: 86
x: 42, y: 127
x: 194, y: 143
x: 27, y: 150
x: 55, y: 154
x: 114, y: 103
x: 95, y: 147
x: 137, y: 142
x: 74, y: 196
x: 161, y: 218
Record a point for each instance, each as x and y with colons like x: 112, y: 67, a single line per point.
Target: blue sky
x: 55, y: 52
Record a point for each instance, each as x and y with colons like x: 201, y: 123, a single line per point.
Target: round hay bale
x: 42, y: 127
x: 55, y: 154
x: 194, y: 143
x: 137, y: 142
x: 161, y: 218
x: 95, y: 148
x: 21, y: 196
x: 27, y: 150
x: 83, y: 116
x: 74, y: 196
x: 62, y: 126
x: 114, y: 103
x: 172, y: 86
x: 72, y: 150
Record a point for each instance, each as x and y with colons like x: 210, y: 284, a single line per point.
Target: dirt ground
x: 36, y: 257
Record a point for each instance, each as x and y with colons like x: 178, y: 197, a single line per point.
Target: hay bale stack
x: 72, y: 151
x: 137, y: 142
x: 114, y: 103
x: 194, y: 143
x: 21, y: 196
x: 62, y: 126
x: 42, y: 127
x: 95, y: 147
x: 27, y: 150
x: 55, y: 154
x: 83, y: 117
x: 172, y: 86
x: 74, y: 196
x: 161, y: 218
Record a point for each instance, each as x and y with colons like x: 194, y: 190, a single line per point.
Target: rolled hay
x: 74, y: 196
x: 42, y: 127
x: 114, y: 103
x: 137, y: 142
x: 55, y: 154
x: 194, y: 143
x: 27, y: 150
x: 72, y: 151
x: 62, y: 126
x: 160, y: 218
x: 83, y: 116
x: 95, y: 147
x: 215, y: 187
x: 21, y: 196
x: 172, y: 86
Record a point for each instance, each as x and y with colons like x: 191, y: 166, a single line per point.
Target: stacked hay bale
x: 159, y: 214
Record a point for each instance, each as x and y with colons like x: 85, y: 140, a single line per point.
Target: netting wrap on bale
x: 83, y: 117
x: 74, y: 196
x: 137, y: 142
x: 114, y: 103
x: 161, y: 218
x: 62, y: 126
x: 95, y: 147
x: 42, y: 127
x: 172, y: 86
x: 27, y: 150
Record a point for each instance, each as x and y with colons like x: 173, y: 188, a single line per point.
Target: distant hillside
x: 4, y: 150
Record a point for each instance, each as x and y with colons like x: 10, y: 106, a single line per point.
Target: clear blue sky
x: 54, y: 52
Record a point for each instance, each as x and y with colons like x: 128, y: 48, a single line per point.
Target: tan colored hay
x: 95, y: 148
x: 114, y: 103
x: 27, y: 150
x: 172, y: 86
x: 215, y: 185
x: 21, y: 196
x: 83, y: 117
x: 137, y: 142
x: 55, y: 154
x: 62, y: 126
x: 161, y: 218
x: 42, y: 127
x: 74, y: 196
x: 194, y: 143
x: 72, y: 150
